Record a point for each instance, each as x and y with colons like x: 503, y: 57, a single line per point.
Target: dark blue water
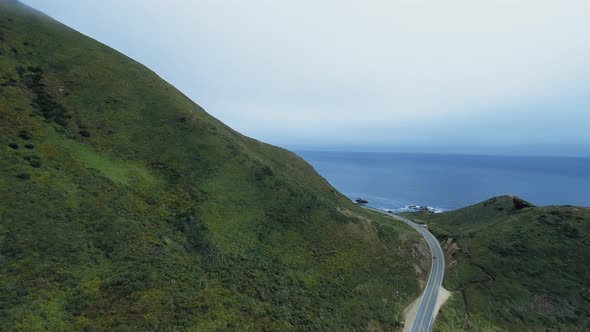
x: 446, y: 182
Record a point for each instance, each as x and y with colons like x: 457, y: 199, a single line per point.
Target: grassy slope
x: 124, y: 204
x: 520, y: 267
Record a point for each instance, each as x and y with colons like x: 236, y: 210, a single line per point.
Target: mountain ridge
x: 124, y: 205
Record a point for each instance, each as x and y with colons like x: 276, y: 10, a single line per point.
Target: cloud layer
x: 454, y: 75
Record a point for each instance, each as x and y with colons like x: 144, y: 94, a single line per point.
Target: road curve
x: 427, y: 304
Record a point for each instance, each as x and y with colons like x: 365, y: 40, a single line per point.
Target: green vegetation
x: 124, y: 206
x: 519, y: 267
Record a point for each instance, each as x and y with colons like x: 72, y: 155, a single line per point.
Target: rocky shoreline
x: 421, y: 208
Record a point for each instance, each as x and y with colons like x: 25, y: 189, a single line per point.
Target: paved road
x: 425, y: 315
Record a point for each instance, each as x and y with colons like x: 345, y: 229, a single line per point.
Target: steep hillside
x: 124, y: 205
x: 517, y: 267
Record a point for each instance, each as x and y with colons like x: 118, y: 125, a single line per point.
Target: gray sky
x: 486, y: 76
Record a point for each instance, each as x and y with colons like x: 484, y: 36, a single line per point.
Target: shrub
x: 267, y: 171
x: 263, y: 172
x: 35, y: 161
x: 9, y: 82
x: 23, y: 176
x: 24, y: 135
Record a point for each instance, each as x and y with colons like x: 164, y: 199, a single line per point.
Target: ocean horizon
x: 443, y: 182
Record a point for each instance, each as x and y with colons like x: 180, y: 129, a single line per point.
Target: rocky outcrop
x: 451, y: 250
x: 421, y: 255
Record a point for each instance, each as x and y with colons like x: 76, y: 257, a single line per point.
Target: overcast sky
x: 485, y: 76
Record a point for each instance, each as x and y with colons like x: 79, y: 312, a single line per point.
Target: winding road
x: 427, y: 304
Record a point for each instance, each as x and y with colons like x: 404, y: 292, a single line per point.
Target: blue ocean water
x: 446, y: 182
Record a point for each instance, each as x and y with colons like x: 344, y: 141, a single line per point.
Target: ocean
x: 395, y: 181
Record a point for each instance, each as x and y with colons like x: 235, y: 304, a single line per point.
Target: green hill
x: 517, y: 267
x: 124, y: 205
